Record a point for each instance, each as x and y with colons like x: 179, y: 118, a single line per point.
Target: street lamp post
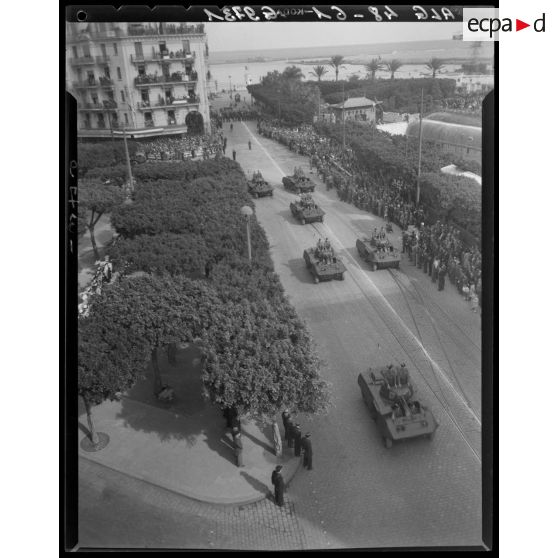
x: 247, y: 211
x: 420, y: 145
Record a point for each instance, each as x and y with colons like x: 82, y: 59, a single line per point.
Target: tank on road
x: 298, y: 182
x: 258, y: 187
x: 378, y: 251
x: 324, y: 264
x: 390, y: 397
x: 306, y: 210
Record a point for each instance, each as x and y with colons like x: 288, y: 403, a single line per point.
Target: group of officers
x: 324, y: 252
x: 307, y: 202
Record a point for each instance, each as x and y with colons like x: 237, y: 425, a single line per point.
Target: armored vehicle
x: 258, y: 187
x: 298, y: 182
x: 389, y: 395
x: 378, y: 251
x: 306, y: 210
x: 322, y: 262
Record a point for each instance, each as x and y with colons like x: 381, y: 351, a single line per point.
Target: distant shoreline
x: 416, y: 52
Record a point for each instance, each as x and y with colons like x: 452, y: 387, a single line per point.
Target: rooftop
x: 356, y: 102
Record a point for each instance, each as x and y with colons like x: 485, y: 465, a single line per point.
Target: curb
x: 187, y: 494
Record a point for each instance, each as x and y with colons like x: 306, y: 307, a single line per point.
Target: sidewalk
x: 184, y: 446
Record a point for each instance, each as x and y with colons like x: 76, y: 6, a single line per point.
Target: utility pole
x: 343, y: 105
x: 420, y: 145
x: 127, y: 155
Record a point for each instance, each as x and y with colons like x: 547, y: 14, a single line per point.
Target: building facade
x: 462, y: 140
x: 148, y: 78
x: 360, y: 109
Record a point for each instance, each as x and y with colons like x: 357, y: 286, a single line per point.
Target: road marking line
x: 359, y: 267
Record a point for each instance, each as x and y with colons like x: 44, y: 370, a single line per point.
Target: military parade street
x: 279, y: 324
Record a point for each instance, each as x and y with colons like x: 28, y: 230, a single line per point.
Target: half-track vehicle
x: 306, y: 210
x: 258, y: 187
x: 298, y: 182
x: 378, y: 251
x: 399, y: 415
x: 323, y: 263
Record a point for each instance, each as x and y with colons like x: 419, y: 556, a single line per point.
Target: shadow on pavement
x: 256, y: 484
x: 298, y: 270
x: 185, y: 379
x: 266, y: 447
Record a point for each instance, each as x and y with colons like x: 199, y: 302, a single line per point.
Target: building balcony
x: 179, y: 56
x: 157, y: 81
x: 101, y: 82
x: 105, y: 105
x: 175, y: 102
x: 82, y: 61
x: 144, y: 131
x: 165, y: 29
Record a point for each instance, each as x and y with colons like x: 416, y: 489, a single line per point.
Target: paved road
x: 359, y: 493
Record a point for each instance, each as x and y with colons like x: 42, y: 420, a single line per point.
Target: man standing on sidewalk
x: 285, y: 415
x: 297, y: 435
x: 289, y: 432
x: 234, y: 155
x: 249, y: 145
x: 278, y: 484
x: 307, y: 449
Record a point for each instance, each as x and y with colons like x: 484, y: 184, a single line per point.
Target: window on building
x: 91, y: 78
x: 74, y: 52
x: 86, y: 51
x: 122, y: 96
x: 148, y: 119
x: 171, y: 118
x: 118, y: 73
x: 186, y: 47
x: 101, y: 121
x: 110, y: 95
x: 168, y: 96
x: 145, y: 98
x: 94, y: 98
x: 163, y: 48
x: 166, y: 71
x: 139, y: 50
x: 115, y: 47
x: 126, y: 118
x: 103, y: 51
x: 87, y: 120
x: 107, y: 72
x: 141, y: 69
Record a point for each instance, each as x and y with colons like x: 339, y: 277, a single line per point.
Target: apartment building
x: 149, y: 78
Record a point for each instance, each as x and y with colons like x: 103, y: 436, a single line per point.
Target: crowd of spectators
x: 189, y: 147
x: 392, y: 200
x: 469, y: 102
x: 439, y: 250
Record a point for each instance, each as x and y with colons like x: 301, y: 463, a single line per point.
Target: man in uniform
x: 279, y: 485
x: 285, y: 415
x: 297, y: 435
x: 307, y: 449
x: 289, y: 432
